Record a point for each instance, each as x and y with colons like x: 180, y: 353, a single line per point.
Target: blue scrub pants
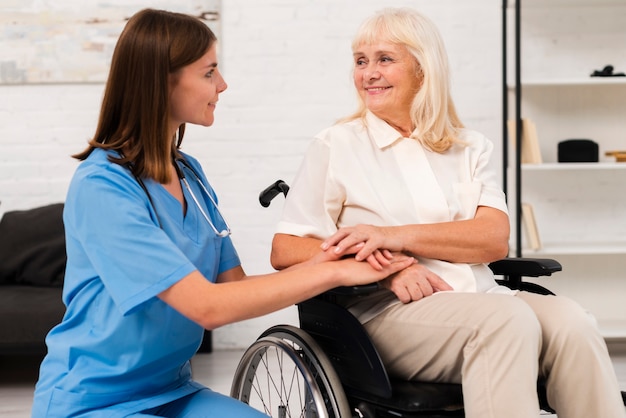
x: 203, y: 404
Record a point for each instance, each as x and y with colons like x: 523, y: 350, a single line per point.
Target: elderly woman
x: 403, y: 175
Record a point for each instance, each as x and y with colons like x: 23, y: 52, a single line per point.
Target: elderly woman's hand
x: 367, y: 242
x: 414, y: 283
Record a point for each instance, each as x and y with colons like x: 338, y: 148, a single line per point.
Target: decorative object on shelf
x: 531, y: 152
x: 607, y: 71
x: 620, y: 156
x: 578, y: 151
x: 530, y: 227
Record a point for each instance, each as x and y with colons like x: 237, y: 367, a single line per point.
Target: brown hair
x: 134, y: 113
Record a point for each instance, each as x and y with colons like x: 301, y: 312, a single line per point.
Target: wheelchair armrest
x: 513, y: 269
x: 363, y: 289
x: 343, y: 294
x: 525, y: 267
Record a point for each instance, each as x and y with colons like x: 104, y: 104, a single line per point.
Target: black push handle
x: 266, y: 196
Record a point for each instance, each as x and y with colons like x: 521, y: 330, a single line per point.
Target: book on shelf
x: 530, y: 227
x: 531, y: 152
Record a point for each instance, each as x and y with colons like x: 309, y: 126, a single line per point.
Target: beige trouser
x: 496, y: 346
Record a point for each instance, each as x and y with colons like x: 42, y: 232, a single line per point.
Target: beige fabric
x: 496, y: 345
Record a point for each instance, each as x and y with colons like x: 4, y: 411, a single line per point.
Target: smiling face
x: 194, y: 91
x: 386, y: 78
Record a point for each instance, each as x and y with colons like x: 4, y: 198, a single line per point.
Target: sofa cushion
x: 28, y: 313
x: 32, y: 246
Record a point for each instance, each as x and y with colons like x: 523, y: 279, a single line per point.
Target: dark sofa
x: 32, y: 267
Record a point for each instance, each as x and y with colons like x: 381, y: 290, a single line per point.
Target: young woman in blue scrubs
x: 150, y: 263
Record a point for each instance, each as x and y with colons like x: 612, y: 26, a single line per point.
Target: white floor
x: 19, y: 374
x: 215, y: 370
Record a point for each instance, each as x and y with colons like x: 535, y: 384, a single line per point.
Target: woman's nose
x: 372, y: 73
x: 221, y: 86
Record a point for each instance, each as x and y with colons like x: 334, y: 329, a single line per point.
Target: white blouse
x: 356, y: 173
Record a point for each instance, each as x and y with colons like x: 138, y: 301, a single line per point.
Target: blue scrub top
x: 120, y: 349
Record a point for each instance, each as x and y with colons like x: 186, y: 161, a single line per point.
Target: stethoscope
x: 181, y: 175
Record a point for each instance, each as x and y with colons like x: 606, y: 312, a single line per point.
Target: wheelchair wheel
x: 285, y: 374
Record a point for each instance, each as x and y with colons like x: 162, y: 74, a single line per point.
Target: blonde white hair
x: 433, y: 114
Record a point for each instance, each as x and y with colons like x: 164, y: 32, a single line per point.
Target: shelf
x: 573, y: 166
x: 588, y: 248
x: 565, y: 3
x: 572, y: 82
x: 551, y: 49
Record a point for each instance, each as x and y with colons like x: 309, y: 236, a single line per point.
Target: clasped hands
x: 377, y: 246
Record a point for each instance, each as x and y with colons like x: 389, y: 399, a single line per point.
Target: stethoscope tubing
x: 181, y: 175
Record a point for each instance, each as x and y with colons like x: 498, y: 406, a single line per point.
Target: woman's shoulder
x: 98, y: 176
x: 98, y: 161
x: 98, y: 168
x: 342, y: 131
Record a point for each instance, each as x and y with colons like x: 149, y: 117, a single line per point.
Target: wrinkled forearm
x: 479, y: 240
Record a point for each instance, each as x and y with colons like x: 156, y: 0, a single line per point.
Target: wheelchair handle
x: 266, y: 196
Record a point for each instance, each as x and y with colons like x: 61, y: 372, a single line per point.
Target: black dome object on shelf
x: 577, y: 151
x: 607, y: 71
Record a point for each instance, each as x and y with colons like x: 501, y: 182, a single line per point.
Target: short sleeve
x: 314, y: 201
x: 485, y: 173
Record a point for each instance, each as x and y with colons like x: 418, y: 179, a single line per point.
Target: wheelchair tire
x: 284, y: 373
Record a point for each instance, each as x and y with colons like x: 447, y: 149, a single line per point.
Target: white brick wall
x: 287, y: 63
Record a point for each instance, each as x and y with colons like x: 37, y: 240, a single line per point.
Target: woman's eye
x: 360, y: 61
x: 209, y: 74
x: 386, y: 59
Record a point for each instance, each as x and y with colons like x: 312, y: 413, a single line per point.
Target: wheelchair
x: 328, y: 367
